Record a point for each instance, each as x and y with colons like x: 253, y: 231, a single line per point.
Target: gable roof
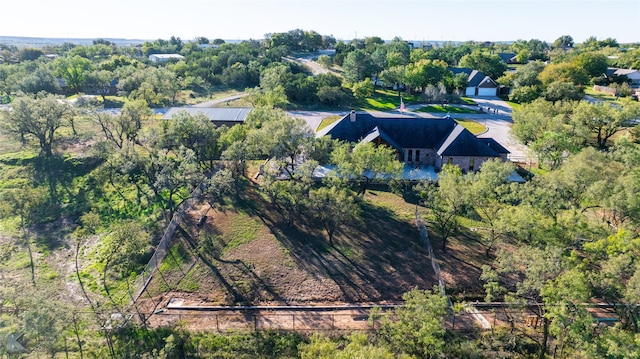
x: 220, y: 116
x: 406, y: 132
x: 378, y: 133
x: 507, y: 57
x: 461, y: 142
x: 475, y: 77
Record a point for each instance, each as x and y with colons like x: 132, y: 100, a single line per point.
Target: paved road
x: 218, y: 101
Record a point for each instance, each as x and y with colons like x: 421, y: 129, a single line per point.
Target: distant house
x: 479, y: 83
x: 508, y: 57
x: 162, y: 58
x: 218, y: 116
x: 419, y: 141
x: 632, y: 76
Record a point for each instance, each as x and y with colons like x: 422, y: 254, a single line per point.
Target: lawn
x: 327, y: 121
x: 474, y: 127
x: 445, y: 109
x: 386, y: 100
x: 602, y: 96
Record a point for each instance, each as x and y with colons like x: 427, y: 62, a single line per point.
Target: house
x: 632, y: 76
x: 479, y: 84
x: 508, y: 57
x: 162, y: 58
x: 219, y: 116
x: 419, y: 142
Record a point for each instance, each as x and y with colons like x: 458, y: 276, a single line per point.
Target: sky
x: 434, y: 20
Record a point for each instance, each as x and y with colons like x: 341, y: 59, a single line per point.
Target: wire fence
x: 143, y: 280
x: 424, y: 234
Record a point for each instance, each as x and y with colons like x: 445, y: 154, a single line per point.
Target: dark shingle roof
x: 461, y: 142
x: 494, y: 145
x: 475, y: 77
x: 227, y: 116
x: 507, y: 57
x: 408, y: 132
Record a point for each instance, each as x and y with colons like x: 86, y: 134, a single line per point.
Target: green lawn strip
x: 445, y: 109
x: 327, y: 121
x: 474, y: 127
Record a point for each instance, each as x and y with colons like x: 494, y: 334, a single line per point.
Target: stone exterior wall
x: 427, y: 157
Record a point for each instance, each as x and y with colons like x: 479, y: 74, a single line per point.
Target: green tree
x: 594, y: 64
x: 489, y: 64
x: 563, y: 42
x: 563, y: 91
x: 197, y: 133
x: 605, y: 120
x: 489, y: 192
x: 74, y: 71
x: 564, y: 72
x: 426, y: 72
x: 446, y: 201
x: 365, y: 163
x: 419, y: 329
x: 363, y: 89
x: 24, y: 201
x: 357, y: 66
x: 39, y: 118
x: 333, y: 207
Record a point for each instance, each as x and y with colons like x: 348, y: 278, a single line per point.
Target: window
x: 471, y: 163
x: 410, y: 156
x: 417, y: 155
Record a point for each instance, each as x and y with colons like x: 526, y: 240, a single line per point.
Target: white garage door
x: 487, y: 91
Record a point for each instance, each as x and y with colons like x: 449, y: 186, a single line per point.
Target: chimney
x: 352, y: 116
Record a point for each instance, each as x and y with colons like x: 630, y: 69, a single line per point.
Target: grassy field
x: 386, y: 100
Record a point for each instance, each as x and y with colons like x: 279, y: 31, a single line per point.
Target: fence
x: 150, y: 269
x: 425, y: 240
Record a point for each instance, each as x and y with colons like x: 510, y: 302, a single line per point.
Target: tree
x: 365, y: 163
x: 197, y: 133
x: 561, y: 91
x: 283, y: 138
x: 426, y: 72
x: 445, y: 200
x: 563, y: 42
x: 524, y: 276
x: 605, y: 120
x: 527, y: 75
x: 531, y: 121
x: 24, y: 202
x: 565, y: 72
x: 333, y: 207
x: 594, y: 64
x: 73, y: 70
x: 488, y: 193
x: 117, y: 129
x: 40, y: 118
x: 324, y: 61
x: 363, y: 89
x: 99, y: 82
x: 393, y: 76
x: 489, y: 64
x: 176, y: 175
x: 356, y: 66
x: 419, y: 329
